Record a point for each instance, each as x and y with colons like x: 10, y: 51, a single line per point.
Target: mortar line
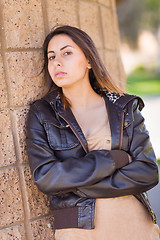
x: 122, y: 82
x: 113, y: 5
x: 115, y: 23
x: 4, y: 60
x: 101, y: 30
x: 41, y: 217
x: 12, y: 225
x: 23, y: 49
x: 117, y: 34
x: 13, y: 166
x: 16, y: 107
x: 78, y: 13
x: 21, y: 176
x: 18, y: 223
x: 45, y: 16
x: 96, y: 3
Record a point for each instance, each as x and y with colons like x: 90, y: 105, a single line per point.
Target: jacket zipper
x: 74, y: 132
x: 121, y: 131
x: 149, y: 208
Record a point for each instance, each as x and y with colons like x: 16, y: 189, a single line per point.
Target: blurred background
x: 139, y: 24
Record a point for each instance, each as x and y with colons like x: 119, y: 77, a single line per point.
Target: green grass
x: 158, y: 160
x: 143, y: 82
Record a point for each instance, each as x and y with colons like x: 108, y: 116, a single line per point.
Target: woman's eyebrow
x: 60, y: 49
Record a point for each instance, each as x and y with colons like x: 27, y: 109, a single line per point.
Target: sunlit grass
x: 158, y: 160
x: 143, y: 82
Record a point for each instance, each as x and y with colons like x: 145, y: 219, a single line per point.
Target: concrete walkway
x: 154, y: 198
x: 151, y: 112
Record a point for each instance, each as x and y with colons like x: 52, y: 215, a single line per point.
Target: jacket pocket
x: 62, y: 141
x: 60, y: 137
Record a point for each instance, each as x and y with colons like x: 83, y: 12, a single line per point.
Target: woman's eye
x: 51, y: 58
x: 67, y: 53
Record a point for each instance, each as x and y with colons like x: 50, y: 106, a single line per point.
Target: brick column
x: 24, y: 211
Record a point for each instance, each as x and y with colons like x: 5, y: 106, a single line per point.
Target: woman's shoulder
x: 122, y: 100
x: 43, y: 102
x: 132, y: 100
x: 38, y: 105
x: 43, y: 108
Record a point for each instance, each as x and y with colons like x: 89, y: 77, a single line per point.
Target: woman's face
x: 67, y: 64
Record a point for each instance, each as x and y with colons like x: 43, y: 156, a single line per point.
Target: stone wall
x: 24, y: 211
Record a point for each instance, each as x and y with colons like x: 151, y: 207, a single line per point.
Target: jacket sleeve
x: 52, y: 175
x: 138, y: 176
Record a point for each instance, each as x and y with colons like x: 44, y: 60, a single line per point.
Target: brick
x: 26, y: 84
x: 93, y: 1
x: 23, y: 23
x: 108, y: 24
x: 43, y: 228
x: 7, y: 153
x: 105, y: 2
x: 37, y: 201
x: 20, y: 114
x: 10, y: 197
x: 3, y: 87
x: 62, y: 12
x: 13, y: 233
x: 112, y: 65
x: 89, y: 21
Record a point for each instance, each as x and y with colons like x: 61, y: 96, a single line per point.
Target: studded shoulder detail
x: 112, y: 96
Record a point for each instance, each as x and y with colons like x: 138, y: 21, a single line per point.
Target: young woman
x: 88, y: 147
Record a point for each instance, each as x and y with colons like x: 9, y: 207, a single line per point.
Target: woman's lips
x: 60, y: 74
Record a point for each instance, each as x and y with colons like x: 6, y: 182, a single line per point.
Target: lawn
x: 143, y: 82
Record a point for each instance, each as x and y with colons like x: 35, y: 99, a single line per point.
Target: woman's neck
x: 82, y: 98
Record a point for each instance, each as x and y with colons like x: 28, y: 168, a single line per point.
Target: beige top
x: 120, y: 218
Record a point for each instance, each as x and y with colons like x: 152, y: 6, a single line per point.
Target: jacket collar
x: 113, y: 98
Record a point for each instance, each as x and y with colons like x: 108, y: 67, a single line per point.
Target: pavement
x: 151, y: 113
x: 154, y: 198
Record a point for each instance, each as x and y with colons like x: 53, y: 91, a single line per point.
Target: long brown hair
x: 99, y: 77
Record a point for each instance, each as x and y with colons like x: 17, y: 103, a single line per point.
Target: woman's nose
x: 57, y: 61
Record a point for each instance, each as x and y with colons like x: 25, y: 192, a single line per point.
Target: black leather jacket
x: 63, y: 168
